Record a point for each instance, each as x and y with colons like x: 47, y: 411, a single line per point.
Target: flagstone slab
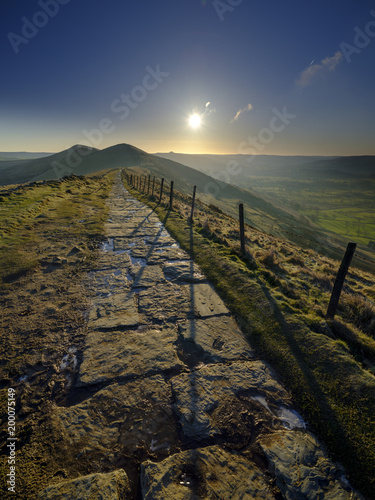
x: 203, y: 473
x: 205, y: 300
x: 159, y: 255
x: 216, y: 339
x: 111, y: 355
x: 161, y: 240
x: 166, y: 302
x: 302, y: 467
x: 183, y: 271
x: 120, y: 419
x: 116, y: 311
x: 110, y: 281
x: 210, y: 402
x: 110, y: 260
x: 147, y: 276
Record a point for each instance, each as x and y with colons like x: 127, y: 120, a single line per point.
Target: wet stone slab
x: 203, y: 473
x: 210, y: 401
x: 148, y: 276
x: 162, y: 240
x: 111, y: 486
x: 214, y: 340
x: 166, y: 302
x: 120, y: 419
x: 302, y: 467
x: 205, y: 300
x: 128, y: 245
x: 185, y: 271
x: 159, y: 255
x: 110, y: 260
x: 116, y: 311
x: 109, y: 281
x: 111, y: 355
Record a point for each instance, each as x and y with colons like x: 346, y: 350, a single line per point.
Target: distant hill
x: 22, y: 155
x: 249, y: 165
x: 307, y: 167
x: 52, y: 166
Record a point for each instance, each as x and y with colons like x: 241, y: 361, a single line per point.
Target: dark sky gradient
x: 65, y: 79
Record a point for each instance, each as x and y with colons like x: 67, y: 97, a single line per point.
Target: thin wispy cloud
x: 328, y: 64
x: 208, y: 109
x: 249, y: 107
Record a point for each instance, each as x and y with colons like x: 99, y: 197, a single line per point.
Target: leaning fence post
x: 161, y: 189
x: 242, y: 228
x: 340, y: 278
x: 192, y: 204
x: 171, y: 197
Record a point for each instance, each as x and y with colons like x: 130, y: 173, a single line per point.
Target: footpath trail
x: 170, y: 402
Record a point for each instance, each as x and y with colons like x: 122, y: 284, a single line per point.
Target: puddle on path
x: 289, y: 418
x: 138, y: 261
x: 109, y: 245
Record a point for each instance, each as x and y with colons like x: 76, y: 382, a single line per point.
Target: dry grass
x: 359, y: 311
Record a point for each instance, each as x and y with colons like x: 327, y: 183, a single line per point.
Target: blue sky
x: 265, y: 77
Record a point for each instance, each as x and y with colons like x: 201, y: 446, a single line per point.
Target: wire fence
x: 164, y: 194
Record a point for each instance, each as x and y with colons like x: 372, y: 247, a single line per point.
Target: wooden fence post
x: 171, y: 197
x: 192, y: 204
x: 242, y: 228
x: 148, y: 186
x: 161, y: 189
x: 153, y: 186
x: 340, y: 278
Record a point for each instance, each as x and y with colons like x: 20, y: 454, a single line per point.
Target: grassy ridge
x: 279, y: 294
x: 63, y: 203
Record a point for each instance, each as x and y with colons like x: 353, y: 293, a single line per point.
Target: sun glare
x: 195, y: 121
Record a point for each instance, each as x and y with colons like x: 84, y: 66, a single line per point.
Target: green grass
x: 279, y: 294
x: 71, y: 206
x: 344, y: 207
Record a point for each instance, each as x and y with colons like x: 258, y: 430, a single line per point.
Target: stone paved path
x: 174, y: 392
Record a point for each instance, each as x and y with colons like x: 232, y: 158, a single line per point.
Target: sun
x: 195, y: 121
